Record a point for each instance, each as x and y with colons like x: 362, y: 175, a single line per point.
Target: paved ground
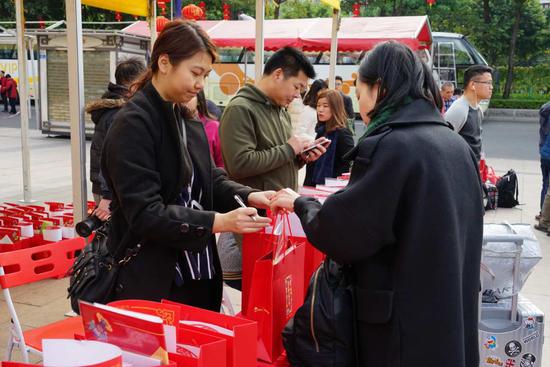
x: 507, y: 144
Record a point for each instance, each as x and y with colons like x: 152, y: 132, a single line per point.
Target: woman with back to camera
x: 409, y: 222
x: 168, y: 198
x: 332, y: 124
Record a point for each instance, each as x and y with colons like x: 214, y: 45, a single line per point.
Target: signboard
x: 10, y: 66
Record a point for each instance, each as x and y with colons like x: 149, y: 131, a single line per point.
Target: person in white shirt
x: 307, y: 119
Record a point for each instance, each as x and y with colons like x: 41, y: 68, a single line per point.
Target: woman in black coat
x: 332, y: 124
x: 409, y: 223
x: 168, y: 198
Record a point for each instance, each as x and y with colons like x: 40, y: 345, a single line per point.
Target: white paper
x: 138, y: 315
x: 189, y: 350
x: 207, y: 326
x: 334, y: 182
x: 26, y: 229
x: 170, y: 336
x: 6, y: 240
x: 138, y: 360
x: 52, y: 235
x: 70, y: 353
x: 68, y: 232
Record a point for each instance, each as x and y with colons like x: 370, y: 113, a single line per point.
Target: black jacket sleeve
x: 129, y: 165
x: 356, y: 222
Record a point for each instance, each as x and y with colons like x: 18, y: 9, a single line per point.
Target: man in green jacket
x: 256, y: 133
x: 256, y: 138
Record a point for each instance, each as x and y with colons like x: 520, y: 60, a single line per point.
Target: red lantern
x: 226, y: 11
x: 356, y: 8
x: 162, y: 5
x: 192, y: 12
x: 202, y: 5
x: 431, y: 2
x: 118, y: 16
x: 161, y: 23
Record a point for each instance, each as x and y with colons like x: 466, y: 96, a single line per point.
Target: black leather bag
x: 322, y: 332
x: 94, y: 273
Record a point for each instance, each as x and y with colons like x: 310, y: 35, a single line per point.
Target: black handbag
x: 322, y: 332
x: 94, y: 272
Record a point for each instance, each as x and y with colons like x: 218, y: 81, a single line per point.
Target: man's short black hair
x: 292, y: 61
x: 474, y: 71
x: 128, y: 70
x: 338, y: 77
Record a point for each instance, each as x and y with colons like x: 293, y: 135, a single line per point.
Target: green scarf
x: 382, y: 117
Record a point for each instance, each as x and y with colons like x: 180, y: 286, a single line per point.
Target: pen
x: 241, y: 203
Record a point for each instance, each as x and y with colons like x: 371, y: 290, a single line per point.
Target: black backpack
x: 508, y: 191
x: 322, y: 332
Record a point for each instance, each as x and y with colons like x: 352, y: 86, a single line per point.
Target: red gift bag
x: 276, y: 292
x: 240, y: 334
x: 256, y: 245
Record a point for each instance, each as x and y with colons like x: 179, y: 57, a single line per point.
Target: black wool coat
x: 146, y: 165
x: 410, y: 223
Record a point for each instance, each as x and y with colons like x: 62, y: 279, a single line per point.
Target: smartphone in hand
x: 321, y: 142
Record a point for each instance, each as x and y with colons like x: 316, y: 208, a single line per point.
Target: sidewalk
x: 46, y: 301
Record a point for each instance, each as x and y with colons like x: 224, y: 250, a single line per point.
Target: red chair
x: 29, y: 265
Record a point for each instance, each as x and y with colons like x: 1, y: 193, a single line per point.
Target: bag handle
x: 282, y: 245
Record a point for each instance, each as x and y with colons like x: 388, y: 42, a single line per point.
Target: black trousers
x: 5, y: 102
x: 197, y: 293
x: 13, y: 102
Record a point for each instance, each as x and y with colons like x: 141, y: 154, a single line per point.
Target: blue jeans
x: 545, y: 169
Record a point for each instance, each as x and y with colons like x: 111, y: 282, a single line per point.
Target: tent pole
x: 259, y: 50
x: 333, y: 48
x: 23, y: 99
x: 76, y: 107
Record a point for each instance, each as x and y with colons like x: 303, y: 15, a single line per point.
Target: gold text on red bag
x: 288, y: 293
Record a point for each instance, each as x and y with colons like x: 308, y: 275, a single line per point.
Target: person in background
x: 169, y: 200
x: 3, y: 93
x: 332, y: 124
x: 348, y: 103
x: 408, y: 224
x: 447, y: 93
x: 258, y: 147
x: 465, y: 113
x: 214, y: 110
x: 10, y: 88
x: 544, y: 150
x: 199, y: 109
x: 307, y: 119
x: 103, y: 112
x: 458, y: 92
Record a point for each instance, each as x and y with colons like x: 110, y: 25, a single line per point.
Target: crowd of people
x: 166, y: 168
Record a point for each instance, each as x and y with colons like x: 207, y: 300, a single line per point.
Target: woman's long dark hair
x: 180, y: 40
x: 400, y: 74
x: 310, y: 98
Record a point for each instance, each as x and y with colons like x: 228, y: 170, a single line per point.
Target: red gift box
x: 13, y: 233
x: 54, y: 205
x: 241, y: 338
